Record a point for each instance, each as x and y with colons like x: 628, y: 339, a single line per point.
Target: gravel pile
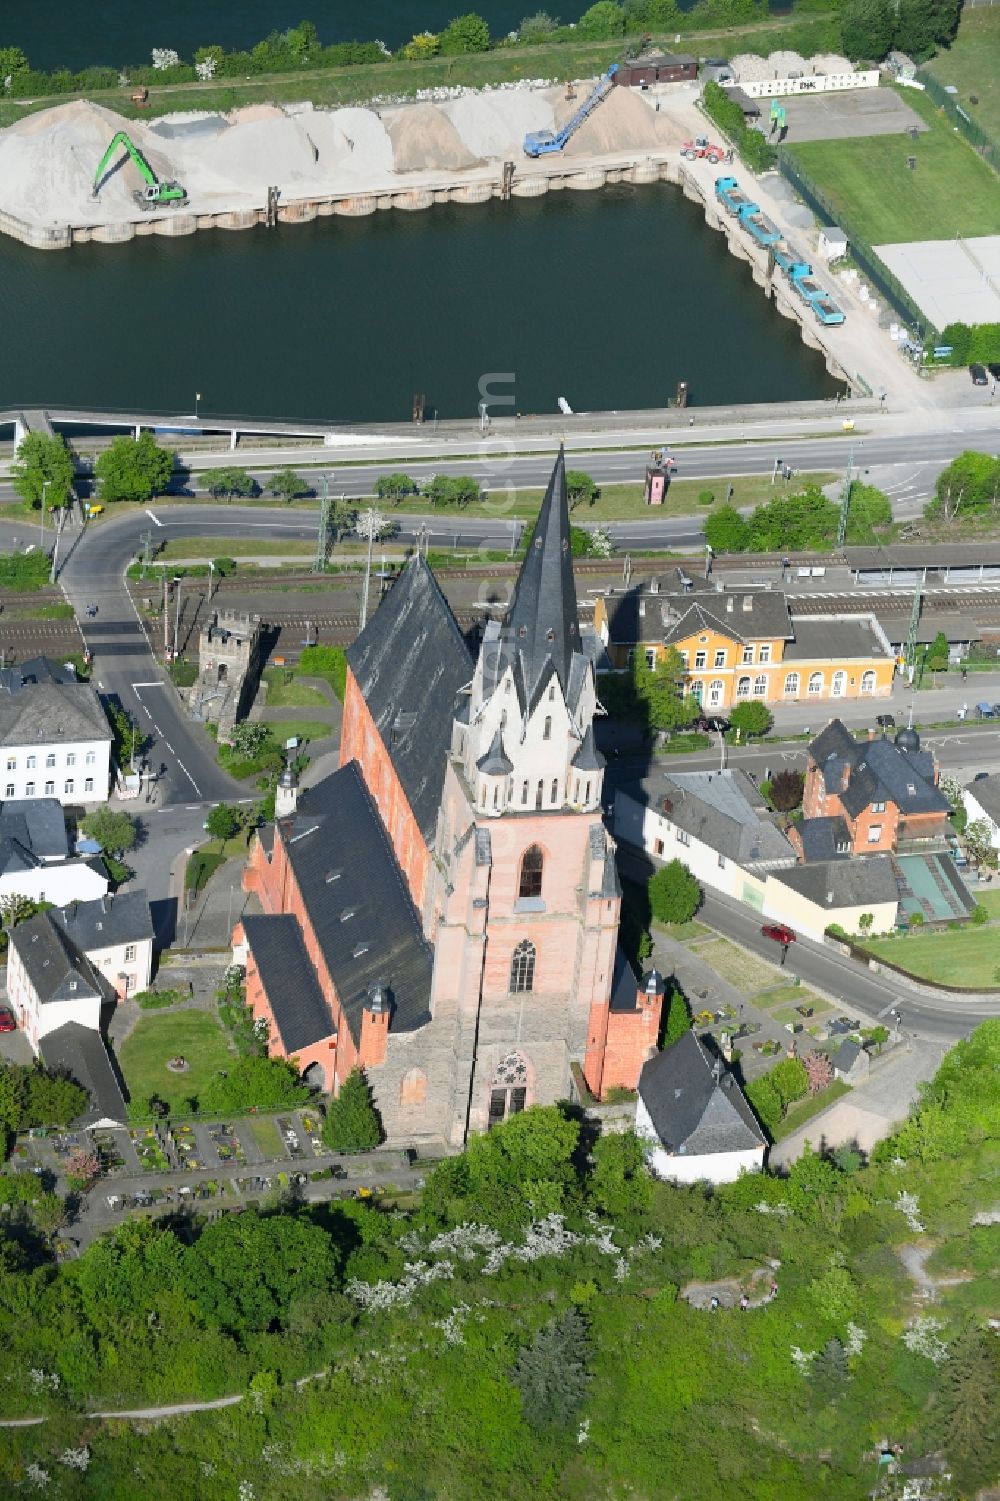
x: 494, y: 125
x: 425, y: 140
x: 749, y: 68
x: 624, y: 122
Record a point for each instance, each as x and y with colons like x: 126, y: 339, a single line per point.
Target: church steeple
x: 542, y: 621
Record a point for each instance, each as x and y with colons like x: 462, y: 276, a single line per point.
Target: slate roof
x: 57, y: 969
x: 819, y: 638
x: 543, y: 622
x: 695, y: 1113
x: 881, y: 771
x: 624, y: 985
x: 825, y: 838
x: 37, y: 826
x: 357, y: 900
x: 49, y: 713
x: 81, y: 1052
x: 867, y: 879
x: 644, y: 614
x: 588, y: 757
x: 987, y: 794
x: 846, y: 1056
x: 724, y: 809
x: 36, y: 670
x: 107, y: 921
x: 300, y: 1012
x: 410, y: 662
x: 495, y: 762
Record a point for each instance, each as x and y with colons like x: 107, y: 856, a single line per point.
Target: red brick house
x: 869, y: 797
x: 444, y: 909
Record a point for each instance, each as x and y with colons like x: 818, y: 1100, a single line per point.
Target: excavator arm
x: 121, y: 139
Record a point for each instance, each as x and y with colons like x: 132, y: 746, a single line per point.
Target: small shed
x: 659, y: 67
x: 832, y: 243
x: 717, y: 70
x: 850, y: 1062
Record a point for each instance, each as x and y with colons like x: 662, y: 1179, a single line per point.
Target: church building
x: 444, y: 909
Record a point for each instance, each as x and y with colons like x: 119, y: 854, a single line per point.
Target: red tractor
x: 701, y: 148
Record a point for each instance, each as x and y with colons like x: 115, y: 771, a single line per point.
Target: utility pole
x: 368, y: 575
x: 146, y: 538
x: 845, y: 501
x: 211, y: 579
x: 166, y: 617
x: 325, y: 506
x: 910, y: 656
x: 177, y: 611
x: 55, y: 550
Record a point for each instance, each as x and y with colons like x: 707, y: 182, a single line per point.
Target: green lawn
x: 158, y: 1036
x: 234, y: 547
x: 285, y: 691
x: 990, y: 900
x: 951, y: 192
x: 304, y: 729
x: 738, y: 966
x: 966, y: 958
x: 972, y: 64
x: 265, y: 1133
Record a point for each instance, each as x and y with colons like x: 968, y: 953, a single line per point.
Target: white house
x: 982, y: 801
x: 50, y: 983
x: 694, y: 1117
x: 55, y: 740
x: 116, y: 934
x: 717, y: 824
x: 34, y: 855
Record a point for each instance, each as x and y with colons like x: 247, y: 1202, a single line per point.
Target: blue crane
x: 544, y: 142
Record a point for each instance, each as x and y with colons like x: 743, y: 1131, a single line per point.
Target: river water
x: 606, y: 298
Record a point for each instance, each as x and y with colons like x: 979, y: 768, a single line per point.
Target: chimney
x: 642, y: 607
x: 729, y: 605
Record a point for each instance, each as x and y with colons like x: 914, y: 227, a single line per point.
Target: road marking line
x: 170, y: 748
x: 190, y: 778
x: 154, y: 519
x: 147, y: 685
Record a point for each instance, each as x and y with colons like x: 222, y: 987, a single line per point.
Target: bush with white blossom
x: 164, y: 58
x: 924, y: 1338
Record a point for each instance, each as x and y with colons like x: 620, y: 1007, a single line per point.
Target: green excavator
x: 155, y: 193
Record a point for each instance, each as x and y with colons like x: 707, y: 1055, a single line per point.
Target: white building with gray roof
x: 55, y: 740
x: 694, y: 1117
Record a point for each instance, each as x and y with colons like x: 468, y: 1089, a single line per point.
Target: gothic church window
x: 547, y: 728
x: 522, y: 968
x: 530, y: 884
x: 509, y: 1089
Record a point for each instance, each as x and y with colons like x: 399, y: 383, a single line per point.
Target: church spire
x: 543, y: 621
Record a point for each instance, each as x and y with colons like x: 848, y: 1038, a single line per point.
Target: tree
x: 243, y: 1273
x: 674, y: 894
x: 224, y: 566
x: 618, y: 1183
x: 979, y: 842
x: 661, y: 690
x: 12, y: 62
x: 820, y: 1071
x: 790, y: 1081
x: 223, y: 821
x: 726, y: 530
x: 116, y: 833
x: 287, y: 485
x: 423, y: 45
x: 11, y: 1101
x: 395, y: 487
x: 969, y: 484
x: 678, y: 1017
x: 786, y: 790
x: 50, y: 1099
x: 351, y: 1124
x: 249, y: 739
x: 765, y: 1102
x: 253, y: 1083
x: 82, y: 1168
x: 751, y: 718
x: 801, y: 522
x: 133, y: 468
x: 536, y: 28
x: 601, y: 22
x: 962, y: 1417
x: 522, y: 1168
x: 43, y: 469
x: 458, y: 490
x: 869, y: 508
x: 230, y: 481
x: 936, y: 655
x: 15, y: 908
x: 551, y: 1372
x: 866, y: 28
x: 580, y: 487
x: 468, y: 33
x: 830, y: 1372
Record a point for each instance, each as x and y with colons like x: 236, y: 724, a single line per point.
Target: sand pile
x: 495, y: 124
x: 425, y: 140
x: 830, y: 62
x: 354, y: 142
x: 268, y: 151
x: 752, y: 69
x: 48, y: 162
x: 624, y: 122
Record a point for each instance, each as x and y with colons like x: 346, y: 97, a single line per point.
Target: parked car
x: 845, y: 1024
x: 714, y: 722
x: 979, y: 376
x: 980, y: 776
x: 985, y: 711
x: 778, y: 933
x: 7, y: 1022
x: 885, y: 721
x: 994, y: 371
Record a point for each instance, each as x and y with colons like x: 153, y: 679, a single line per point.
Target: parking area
x: 951, y: 281
x: 835, y: 117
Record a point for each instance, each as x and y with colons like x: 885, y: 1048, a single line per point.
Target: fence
x: 876, y: 271
x: 977, y: 138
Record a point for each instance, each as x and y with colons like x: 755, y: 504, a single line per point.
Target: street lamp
x: 45, y: 485
x: 211, y: 579
x: 197, y: 398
